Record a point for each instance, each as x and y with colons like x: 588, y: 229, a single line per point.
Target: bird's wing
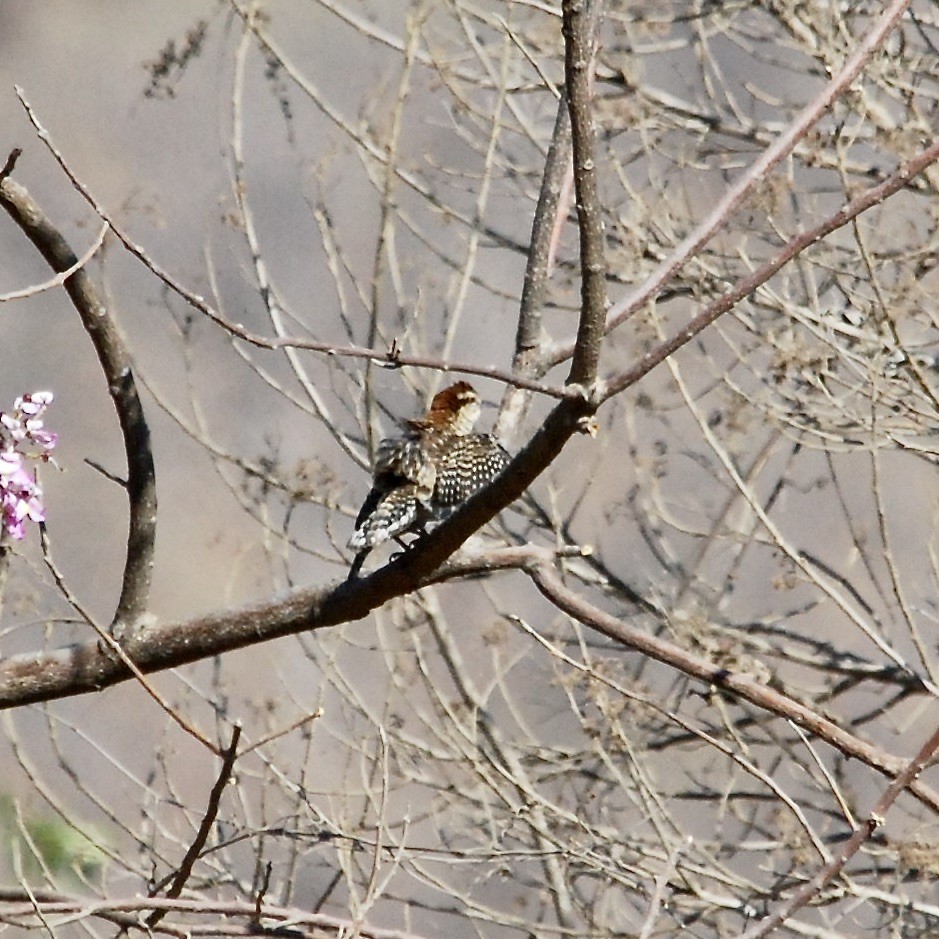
x: 404, y: 459
x: 471, y: 463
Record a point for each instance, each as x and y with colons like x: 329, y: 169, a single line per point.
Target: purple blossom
x: 22, y: 437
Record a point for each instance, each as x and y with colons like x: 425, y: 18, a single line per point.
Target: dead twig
x: 178, y: 881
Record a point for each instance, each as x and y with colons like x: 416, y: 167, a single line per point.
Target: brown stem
x: 874, y: 820
x: 208, y: 820
x: 26, y: 903
x: 77, y: 669
x: 529, y: 335
x: 392, y: 358
x: 579, y: 54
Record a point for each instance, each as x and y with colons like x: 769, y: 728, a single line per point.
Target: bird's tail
x: 393, y: 513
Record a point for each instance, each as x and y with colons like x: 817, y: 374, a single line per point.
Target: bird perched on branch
x: 428, y: 471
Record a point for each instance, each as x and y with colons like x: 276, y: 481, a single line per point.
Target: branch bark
x: 178, y: 880
x: 713, y: 311
x: 529, y: 336
x: 862, y: 833
x: 579, y: 54
x: 31, y: 678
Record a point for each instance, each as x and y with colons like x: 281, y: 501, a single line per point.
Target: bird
x: 428, y: 471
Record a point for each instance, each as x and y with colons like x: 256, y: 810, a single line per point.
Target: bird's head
x: 456, y: 407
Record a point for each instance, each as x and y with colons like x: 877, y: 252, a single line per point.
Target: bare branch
x: 116, y: 365
x: 390, y: 358
x: 713, y: 311
x: 875, y: 819
x: 755, y: 174
x: 579, y: 56
x: 51, y: 904
x: 550, y: 213
x: 178, y: 880
x: 742, y: 686
x: 61, y: 278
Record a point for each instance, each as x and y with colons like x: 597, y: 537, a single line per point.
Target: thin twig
x: 15, y: 154
x: 111, y: 648
x: 661, y: 886
x: 262, y: 277
x: 875, y: 819
x: 283, y: 731
x: 550, y: 584
x: 390, y: 358
x: 61, y: 278
x: 229, y: 755
x: 861, y: 203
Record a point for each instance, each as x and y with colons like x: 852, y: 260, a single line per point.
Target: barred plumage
x: 427, y: 472
x: 469, y: 463
x: 383, y: 516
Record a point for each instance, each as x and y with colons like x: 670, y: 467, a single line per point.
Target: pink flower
x: 20, y: 496
x: 21, y: 433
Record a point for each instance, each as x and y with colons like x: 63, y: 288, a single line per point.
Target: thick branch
x: 116, y: 364
x: 579, y: 51
x: 29, y: 678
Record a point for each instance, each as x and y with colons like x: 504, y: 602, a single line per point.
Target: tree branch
x: 391, y: 358
x: 548, y: 216
x: 579, y: 54
x: 862, y: 833
x: 205, y: 827
x: 116, y: 910
x: 115, y: 361
x: 78, y: 669
x: 764, y: 697
x: 83, y: 668
x: 713, y: 311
